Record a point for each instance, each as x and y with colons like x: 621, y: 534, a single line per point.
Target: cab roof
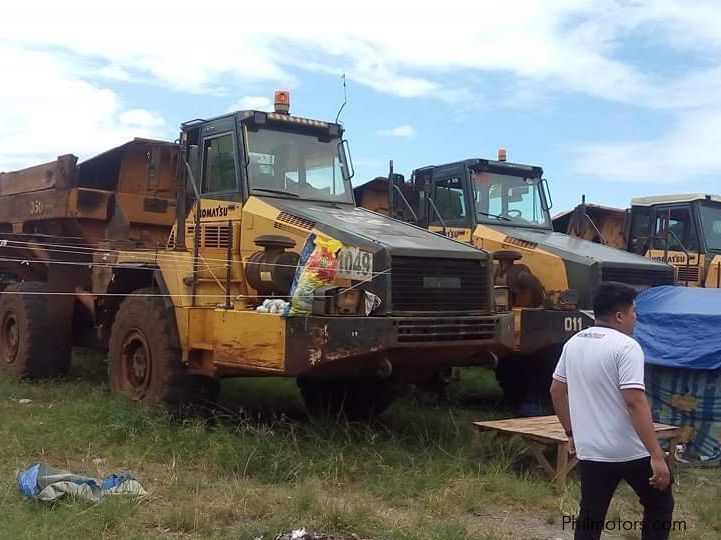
x: 275, y: 118
x: 481, y: 164
x: 672, y: 199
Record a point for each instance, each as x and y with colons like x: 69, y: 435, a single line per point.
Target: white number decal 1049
x: 355, y: 264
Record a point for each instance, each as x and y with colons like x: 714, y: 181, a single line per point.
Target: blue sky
x: 614, y: 99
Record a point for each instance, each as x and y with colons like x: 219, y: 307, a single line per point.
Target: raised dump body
x: 125, y: 193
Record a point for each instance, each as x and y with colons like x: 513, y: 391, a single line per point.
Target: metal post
x: 228, y: 266
x: 180, y: 210
x: 196, y: 249
x: 391, y: 205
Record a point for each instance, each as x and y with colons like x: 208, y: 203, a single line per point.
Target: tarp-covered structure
x: 679, y: 329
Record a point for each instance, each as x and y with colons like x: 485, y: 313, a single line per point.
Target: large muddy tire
x: 144, y: 353
x: 355, y: 398
x: 510, y: 377
x: 526, y: 380
x: 25, y: 350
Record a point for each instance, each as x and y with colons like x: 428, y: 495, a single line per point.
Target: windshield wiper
x: 278, y: 191
x: 495, y: 216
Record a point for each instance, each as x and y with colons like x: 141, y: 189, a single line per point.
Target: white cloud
x: 694, y: 25
x: 408, y: 56
x: 688, y: 151
x: 542, y: 47
x: 258, y: 103
x: 567, y: 44
x: 46, y: 112
x: 398, y: 131
x: 140, y: 119
x: 112, y: 72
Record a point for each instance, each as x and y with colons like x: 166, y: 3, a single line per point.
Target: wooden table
x: 541, y: 432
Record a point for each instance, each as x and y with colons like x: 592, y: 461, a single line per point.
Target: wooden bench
x: 540, y: 432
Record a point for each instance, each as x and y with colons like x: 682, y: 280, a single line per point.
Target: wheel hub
x: 136, y: 368
x: 140, y: 364
x: 10, y: 338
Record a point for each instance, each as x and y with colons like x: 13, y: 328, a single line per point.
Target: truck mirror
x: 193, y: 158
x: 191, y: 167
x: 661, y: 226
x: 348, y: 159
x: 546, y: 200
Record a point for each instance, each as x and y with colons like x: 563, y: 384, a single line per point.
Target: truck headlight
x: 502, y: 298
x: 337, y: 301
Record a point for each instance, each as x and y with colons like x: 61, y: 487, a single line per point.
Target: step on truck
x: 237, y: 251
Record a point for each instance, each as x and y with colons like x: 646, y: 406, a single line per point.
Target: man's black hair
x: 611, y: 297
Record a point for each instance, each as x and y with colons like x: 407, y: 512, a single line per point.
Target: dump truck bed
x: 127, y: 191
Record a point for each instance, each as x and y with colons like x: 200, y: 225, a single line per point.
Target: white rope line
x: 79, y: 249
x: 161, y: 295
x: 102, y: 239
x: 28, y: 262
x: 82, y: 292
x: 165, y: 257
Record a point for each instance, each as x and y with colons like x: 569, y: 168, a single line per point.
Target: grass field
x: 262, y: 468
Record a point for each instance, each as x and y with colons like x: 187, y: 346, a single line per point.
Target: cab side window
x: 449, y: 198
x: 681, y: 229
x: 219, y: 168
x: 640, y: 238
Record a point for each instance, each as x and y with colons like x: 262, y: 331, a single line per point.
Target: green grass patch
x: 262, y: 467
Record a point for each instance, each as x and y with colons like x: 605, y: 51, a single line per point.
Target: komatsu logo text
x: 218, y: 211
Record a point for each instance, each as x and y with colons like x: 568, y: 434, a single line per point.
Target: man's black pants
x: 598, y: 483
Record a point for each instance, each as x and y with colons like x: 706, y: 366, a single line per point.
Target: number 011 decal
x: 355, y: 264
x: 573, y: 324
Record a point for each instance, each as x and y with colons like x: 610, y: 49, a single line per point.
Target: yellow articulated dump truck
x: 548, y: 277
x: 683, y: 230
x: 238, y: 251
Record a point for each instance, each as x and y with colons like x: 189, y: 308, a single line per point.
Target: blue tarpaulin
x: 680, y: 327
x: 690, y: 398
x: 679, y: 330
x: 49, y: 484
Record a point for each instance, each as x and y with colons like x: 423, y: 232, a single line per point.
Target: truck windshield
x: 297, y: 165
x: 711, y: 225
x: 512, y: 200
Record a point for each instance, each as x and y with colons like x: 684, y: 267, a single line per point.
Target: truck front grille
x: 424, y: 285
x: 638, y: 276
x: 446, y: 329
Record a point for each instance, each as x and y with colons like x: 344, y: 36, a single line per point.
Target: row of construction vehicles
x: 683, y: 230
x: 236, y: 251
x: 242, y: 250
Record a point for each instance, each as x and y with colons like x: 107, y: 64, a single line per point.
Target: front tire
x: 144, y: 353
x: 526, y: 379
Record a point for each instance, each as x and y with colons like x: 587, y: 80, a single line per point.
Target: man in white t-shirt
x: 599, y: 396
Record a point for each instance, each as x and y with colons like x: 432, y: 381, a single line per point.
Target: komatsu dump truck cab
x: 548, y: 277
x: 238, y: 251
x: 683, y: 230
